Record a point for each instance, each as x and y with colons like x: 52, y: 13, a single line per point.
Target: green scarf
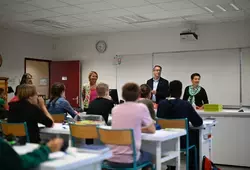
x: 192, y: 92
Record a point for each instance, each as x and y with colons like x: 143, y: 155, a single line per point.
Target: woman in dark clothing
x: 30, y: 109
x: 195, y: 94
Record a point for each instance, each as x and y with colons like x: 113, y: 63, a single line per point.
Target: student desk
x: 71, y: 161
x: 165, y: 145
x: 204, y: 142
x: 231, y: 137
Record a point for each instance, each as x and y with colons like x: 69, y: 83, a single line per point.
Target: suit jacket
x: 162, y: 90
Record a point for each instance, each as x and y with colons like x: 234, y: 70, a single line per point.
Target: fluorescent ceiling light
x: 223, y: 9
x: 235, y: 7
x: 117, y: 18
x: 133, y: 19
x: 208, y: 9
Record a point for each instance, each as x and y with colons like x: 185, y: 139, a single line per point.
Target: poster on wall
x: 44, y: 82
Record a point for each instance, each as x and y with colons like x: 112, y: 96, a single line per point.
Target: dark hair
x: 56, y: 91
x: 157, y: 66
x: 195, y: 74
x: 145, y: 90
x: 130, y: 92
x: 25, y: 91
x: 175, y: 89
x: 1, y: 91
x: 16, y: 91
x: 25, y: 77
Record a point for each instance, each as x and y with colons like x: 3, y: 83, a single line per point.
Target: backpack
x: 207, y: 164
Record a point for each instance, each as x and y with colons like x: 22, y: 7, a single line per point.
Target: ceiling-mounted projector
x: 189, y: 35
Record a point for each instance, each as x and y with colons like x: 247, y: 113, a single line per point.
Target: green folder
x: 213, y: 108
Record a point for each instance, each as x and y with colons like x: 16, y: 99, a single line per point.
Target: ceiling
x: 74, y: 17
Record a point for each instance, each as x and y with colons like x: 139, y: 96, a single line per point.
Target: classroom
x: 125, y: 84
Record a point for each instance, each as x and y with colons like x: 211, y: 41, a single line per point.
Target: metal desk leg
x: 178, y: 159
x: 158, y: 155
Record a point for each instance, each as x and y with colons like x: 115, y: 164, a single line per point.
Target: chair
x: 83, y: 132
x: 58, y: 118
x: 120, y: 137
x: 17, y: 129
x: 180, y: 124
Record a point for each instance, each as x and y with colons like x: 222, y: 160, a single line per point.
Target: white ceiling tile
x: 204, y: 3
x: 121, y: 25
x: 114, y: 13
x: 68, y: 10
x: 97, y: 6
x: 158, y: 15
x: 18, y: 7
x: 244, y: 4
x: 159, y: 1
x: 145, y: 9
x: 208, y: 21
x: 81, y: 24
x: 16, y: 17
x: 64, y: 19
x: 107, y: 21
x: 173, y: 14
x: 187, y: 12
x: 171, y: 20
x: 199, y: 17
x: 89, y: 16
x: 152, y: 24
x: 128, y: 3
x: 2, y: 2
x: 235, y: 14
x: 42, y: 14
x: 46, y: 3
x: 177, y: 5
x: 76, y: 2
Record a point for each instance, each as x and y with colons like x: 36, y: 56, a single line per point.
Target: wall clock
x: 101, y: 46
x: 1, y: 60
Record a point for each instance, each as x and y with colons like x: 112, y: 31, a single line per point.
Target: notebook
x: 93, y: 148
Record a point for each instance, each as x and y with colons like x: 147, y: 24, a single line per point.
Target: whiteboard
x: 137, y: 68
x: 246, y: 76
x: 219, y: 69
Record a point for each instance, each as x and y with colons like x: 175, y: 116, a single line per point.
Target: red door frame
x: 41, y: 60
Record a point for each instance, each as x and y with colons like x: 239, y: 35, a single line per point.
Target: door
x: 68, y: 73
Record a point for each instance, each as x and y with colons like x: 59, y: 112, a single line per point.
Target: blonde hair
x: 25, y: 91
x: 91, y: 73
x: 101, y: 89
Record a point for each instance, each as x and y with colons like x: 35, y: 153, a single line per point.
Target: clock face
x: 101, y: 46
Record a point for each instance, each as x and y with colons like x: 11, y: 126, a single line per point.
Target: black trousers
x: 193, y: 140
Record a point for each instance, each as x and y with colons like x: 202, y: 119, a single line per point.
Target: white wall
x: 225, y: 35
x: 15, y: 46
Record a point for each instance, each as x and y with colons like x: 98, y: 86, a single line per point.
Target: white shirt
x: 155, y: 85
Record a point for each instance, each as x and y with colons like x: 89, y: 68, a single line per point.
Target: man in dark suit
x: 159, y: 86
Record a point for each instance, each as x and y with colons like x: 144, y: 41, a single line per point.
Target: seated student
x: 103, y: 104
x: 57, y: 103
x: 131, y: 115
x: 145, y: 96
x: 10, y: 160
x: 30, y: 109
x: 175, y: 108
x: 3, y: 105
x: 15, y: 98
